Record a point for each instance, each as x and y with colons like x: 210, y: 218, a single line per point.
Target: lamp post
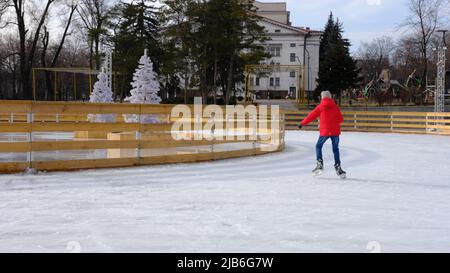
x: 308, y: 73
x: 274, y: 75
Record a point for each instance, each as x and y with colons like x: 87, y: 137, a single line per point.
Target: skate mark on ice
x: 374, y: 181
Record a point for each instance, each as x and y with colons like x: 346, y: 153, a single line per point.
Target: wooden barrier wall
x: 384, y: 122
x: 125, y: 144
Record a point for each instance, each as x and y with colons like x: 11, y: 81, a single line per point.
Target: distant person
x: 330, y: 127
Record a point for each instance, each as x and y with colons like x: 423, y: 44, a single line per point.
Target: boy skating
x: 330, y: 128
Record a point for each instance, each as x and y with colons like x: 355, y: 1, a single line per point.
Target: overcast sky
x: 363, y: 19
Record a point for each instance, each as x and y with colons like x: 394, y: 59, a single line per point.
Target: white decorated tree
x: 101, y: 94
x: 145, y: 90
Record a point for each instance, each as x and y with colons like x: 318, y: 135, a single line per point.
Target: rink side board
x: 382, y: 122
x: 58, y: 136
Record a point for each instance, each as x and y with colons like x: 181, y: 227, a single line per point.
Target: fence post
x: 355, y: 116
x: 255, y: 130
x: 392, y: 122
x: 212, y: 119
x: 197, y: 132
x: 138, y: 137
x: 30, y: 120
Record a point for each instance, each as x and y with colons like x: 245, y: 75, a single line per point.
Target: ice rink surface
x: 396, y: 199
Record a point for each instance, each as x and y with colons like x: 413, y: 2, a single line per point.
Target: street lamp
x: 273, y: 76
x: 308, y: 73
x: 308, y: 70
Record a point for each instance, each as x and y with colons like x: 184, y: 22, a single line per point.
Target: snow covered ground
x: 397, y: 198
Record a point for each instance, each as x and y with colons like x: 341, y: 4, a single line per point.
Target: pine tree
x: 145, y: 89
x: 326, y: 36
x: 337, y: 69
x: 136, y: 28
x: 222, y: 36
x: 101, y: 94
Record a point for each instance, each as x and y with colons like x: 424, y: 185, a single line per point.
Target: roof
x: 293, y: 28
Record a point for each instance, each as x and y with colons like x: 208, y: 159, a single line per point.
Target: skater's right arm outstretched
x: 312, y: 116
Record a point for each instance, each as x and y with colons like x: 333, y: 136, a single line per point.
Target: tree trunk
x: 229, y: 80
x: 26, y: 60
x: 203, y: 77
x: 215, y: 80
x: 97, y: 53
x: 122, y: 89
x: 14, y: 83
x: 91, y: 54
x: 22, y: 50
x: 186, y: 86
x: 48, y: 82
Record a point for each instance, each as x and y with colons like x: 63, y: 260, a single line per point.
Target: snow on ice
x: 396, y: 199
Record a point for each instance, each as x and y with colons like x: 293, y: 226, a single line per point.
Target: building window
x: 293, y: 45
x: 293, y: 57
x: 257, y: 81
x: 277, y: 30
x: 275, y: 51
x: 275, y: 81
x: 292, y: 74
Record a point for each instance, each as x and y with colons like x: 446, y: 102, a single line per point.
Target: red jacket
x: 330, y: 118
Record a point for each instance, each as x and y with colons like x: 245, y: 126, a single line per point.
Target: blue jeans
x: 335, y: 141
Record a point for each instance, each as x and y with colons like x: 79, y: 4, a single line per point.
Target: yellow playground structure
x: 70, y: 84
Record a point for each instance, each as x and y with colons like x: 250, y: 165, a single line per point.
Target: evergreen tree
x: 176, y: 59
x: 101, y: 94
x: 337, y: 69
x: 136, y: 29
x: 328, y: 33
x: 216, y: 33
x: 145, y: 89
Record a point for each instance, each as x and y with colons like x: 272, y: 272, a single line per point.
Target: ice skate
x: 341, y: 173
x: 319, y: 169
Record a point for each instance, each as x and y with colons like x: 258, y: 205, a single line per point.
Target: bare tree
x: 70, y: 9
x: 4, y: 5
x: 30, y: 19
x: 29, y: 34
x: 406, y: 57
x: 94, y: 15
x: 9, y: 65
x: 424, y: 19
x: 376, y: 55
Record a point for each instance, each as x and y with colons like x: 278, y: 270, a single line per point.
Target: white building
x: 290, y: 46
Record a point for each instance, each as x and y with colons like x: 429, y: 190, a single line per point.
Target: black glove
x: 300, y: 126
